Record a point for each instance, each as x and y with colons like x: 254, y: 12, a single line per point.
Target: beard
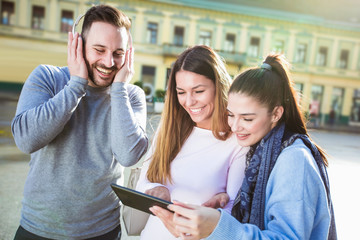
x: 91, y: 74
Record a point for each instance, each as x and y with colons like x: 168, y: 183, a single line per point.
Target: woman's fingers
x: 167, y: 218
x: 183, y: 209
x: 217, y: 201
x: 162, y: 213
x: 198, y: 221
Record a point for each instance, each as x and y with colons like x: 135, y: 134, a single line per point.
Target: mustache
x: 113, y: 68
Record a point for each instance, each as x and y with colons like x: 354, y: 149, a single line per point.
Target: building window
x: 322, y: 56
x: 254, y: 47
x: 315, y: 104
x: 300, y: 56
x: 179, y: 36
x: 7, y: 13
x: 230, y: 42
x: 148, y: 80
x: 205, y: 37
x: 279, y: 46
x: 38, y: 15
x: 344, y: 58
x: 152, y: 32
x: 299, y: 87
x: 337, y: 100
x: 355, y: 110
x: 66, y: 21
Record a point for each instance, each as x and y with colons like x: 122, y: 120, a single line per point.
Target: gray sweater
x: 79, y: 138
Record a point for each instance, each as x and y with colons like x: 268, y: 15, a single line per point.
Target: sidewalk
x: 337, y: 128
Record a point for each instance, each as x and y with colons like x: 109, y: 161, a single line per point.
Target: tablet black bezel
x: 138, y: 200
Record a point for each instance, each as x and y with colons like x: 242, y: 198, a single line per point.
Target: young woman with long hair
x: 194, y: 155
x: 285, y: 193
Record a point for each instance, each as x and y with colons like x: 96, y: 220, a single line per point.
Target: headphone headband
x: 77, y: 22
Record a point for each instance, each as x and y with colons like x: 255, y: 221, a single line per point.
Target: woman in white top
x: 285, y: 193
x: 194, y: 156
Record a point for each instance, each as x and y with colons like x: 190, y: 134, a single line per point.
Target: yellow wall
x: 22, y: 48
x: 20, y: 56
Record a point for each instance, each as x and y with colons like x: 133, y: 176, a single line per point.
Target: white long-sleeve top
x: 204, y: 167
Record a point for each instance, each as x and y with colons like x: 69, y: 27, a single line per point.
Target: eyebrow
x: 247, y: 114
x: 242, y: 114
x: 102, y: 46
x: 200, y: 85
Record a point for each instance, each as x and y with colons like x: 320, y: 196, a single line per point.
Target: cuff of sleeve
x: 215, y: 233
x: 118, y: 89
x: 225, y: 227
x: 78, y: 84
x: 118, y: 86
x: 80, y: 80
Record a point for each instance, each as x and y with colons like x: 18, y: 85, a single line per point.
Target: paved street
x: 344, y: 158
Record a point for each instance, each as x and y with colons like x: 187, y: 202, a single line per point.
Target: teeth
x: 103, y: 70
x: 242, y: 135
x: 195, y: 110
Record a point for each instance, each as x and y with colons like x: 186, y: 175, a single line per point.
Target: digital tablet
x: 138, y: 200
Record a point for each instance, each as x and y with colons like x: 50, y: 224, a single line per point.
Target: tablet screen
x: 138, y: 200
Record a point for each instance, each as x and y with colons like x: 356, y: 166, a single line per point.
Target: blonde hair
x: 175, y: 124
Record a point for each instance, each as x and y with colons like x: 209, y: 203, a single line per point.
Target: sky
x: 335, y: 10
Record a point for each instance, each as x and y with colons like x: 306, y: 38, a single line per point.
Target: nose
x: 190, y: 100
x: 109, y: 60
x: 235, y: 124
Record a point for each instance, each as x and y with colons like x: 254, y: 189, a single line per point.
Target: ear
x: 277, y: 113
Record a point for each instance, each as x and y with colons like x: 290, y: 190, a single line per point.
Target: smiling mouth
x: 196, y: 110
x: 104, y: 71
x: 242, y: 135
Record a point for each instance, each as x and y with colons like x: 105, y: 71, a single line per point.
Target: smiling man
x: 81, y: 124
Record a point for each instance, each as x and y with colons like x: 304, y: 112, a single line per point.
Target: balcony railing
x: 233, y: 57
x: 171, y: 50
x: 230, y: 57
x: 24, y: 32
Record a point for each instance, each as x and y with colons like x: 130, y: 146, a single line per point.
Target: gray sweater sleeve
x: 46, y: 103
x: 128, y: 123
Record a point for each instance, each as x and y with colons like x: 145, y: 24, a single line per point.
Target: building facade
x: 324, y: 53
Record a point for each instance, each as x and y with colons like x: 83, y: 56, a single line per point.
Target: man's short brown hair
x: 107, y: 14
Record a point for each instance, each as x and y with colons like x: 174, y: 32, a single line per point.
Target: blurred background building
x: 321, y: 39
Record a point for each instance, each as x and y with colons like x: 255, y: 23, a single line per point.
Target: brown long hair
x: 175, y: 124
x: 273, y: 87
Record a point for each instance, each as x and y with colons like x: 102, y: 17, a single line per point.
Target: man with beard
x: 81, y: 124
